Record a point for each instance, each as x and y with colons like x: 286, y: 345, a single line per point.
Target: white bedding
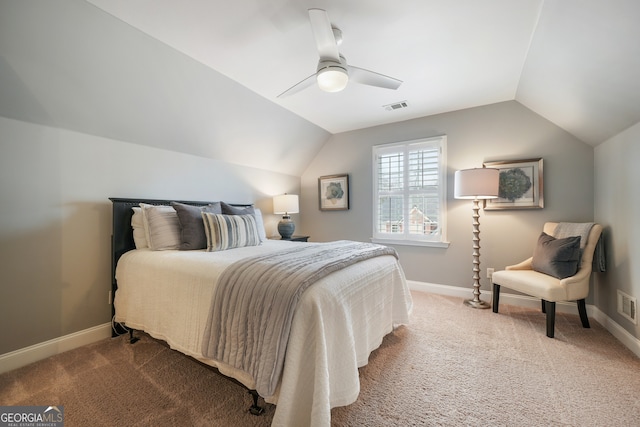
x: 337, y: 324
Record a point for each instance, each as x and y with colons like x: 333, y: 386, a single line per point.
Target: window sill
x: 411, y: 243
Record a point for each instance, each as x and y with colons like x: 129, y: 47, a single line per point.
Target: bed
x: 336, y: 322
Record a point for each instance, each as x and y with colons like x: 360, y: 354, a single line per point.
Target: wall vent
x: 627, y: 307
x: 395, y: 106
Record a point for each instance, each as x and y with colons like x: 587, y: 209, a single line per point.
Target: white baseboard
x: 629, y: 341
x: 27, y: 355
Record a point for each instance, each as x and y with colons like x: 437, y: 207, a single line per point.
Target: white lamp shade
x: 285, y: 204
x: 478, y: 183
x: 332, y: 79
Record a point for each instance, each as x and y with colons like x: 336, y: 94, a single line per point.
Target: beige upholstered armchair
x: 555, y: 255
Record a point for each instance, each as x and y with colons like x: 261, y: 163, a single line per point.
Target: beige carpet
x: 452, y: 366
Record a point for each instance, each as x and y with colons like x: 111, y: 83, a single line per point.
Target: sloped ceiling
x: 575, y: 62
x: 202, y: 76
x: 67, y: 64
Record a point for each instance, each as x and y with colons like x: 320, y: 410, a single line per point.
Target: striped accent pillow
x: 161, y: 225
x: 230, y: 231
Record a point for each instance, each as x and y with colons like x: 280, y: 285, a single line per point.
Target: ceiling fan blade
x: 325, y: 40
x: 371, y: 78
x: 309, y: 81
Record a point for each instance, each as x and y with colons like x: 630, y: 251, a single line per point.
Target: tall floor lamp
x: 476, y: 184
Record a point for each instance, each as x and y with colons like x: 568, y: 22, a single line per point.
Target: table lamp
x: 284, y: 205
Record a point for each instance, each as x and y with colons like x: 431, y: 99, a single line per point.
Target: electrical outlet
x: 109, y: 301
x: 489, y: 273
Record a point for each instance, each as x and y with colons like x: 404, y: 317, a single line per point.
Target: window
x: 409, y: 185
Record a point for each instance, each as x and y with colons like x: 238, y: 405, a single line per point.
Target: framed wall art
x: 521, y: 185
x: 333, y: 192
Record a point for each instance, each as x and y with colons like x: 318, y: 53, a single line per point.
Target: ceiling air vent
x: 395, y: 106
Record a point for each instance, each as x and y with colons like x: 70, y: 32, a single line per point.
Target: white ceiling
x: 575, y: 62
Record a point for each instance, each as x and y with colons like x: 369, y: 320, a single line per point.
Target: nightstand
x: 293, y: 238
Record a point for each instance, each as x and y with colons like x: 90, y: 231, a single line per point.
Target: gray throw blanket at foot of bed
x: 254, y: 302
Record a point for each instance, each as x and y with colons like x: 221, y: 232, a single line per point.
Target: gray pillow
x: 192, y: 234
x: 233, y: 210
x: 556, y: 257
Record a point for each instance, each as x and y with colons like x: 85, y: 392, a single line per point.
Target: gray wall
x: 70, y: 65
x: 617, y: 208
x: 75, y: 82
x: 55, y: 219
x: 503, y: 131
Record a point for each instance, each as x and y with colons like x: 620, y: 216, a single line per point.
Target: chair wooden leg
x: 544, y: 309
x: 550, y: 309
x: 582, y: 309
x: 496, y: 297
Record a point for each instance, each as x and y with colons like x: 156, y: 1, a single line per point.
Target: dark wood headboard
x: 122, y: 233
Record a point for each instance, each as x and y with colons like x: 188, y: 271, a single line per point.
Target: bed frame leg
x: 132, y: 339
x: 255, y: 409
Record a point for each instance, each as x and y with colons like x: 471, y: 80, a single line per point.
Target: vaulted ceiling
x: 202, y: 77
x: 574, y: 62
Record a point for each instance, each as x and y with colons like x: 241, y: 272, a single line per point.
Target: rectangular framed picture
x: 521, y: 185
x: 333, y: 192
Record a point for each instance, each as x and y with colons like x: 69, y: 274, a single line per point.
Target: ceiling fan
x: 333, y: 73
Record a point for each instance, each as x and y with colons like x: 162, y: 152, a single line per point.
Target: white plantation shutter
x: 410, y: 190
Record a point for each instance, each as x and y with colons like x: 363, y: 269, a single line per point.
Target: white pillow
x: 260, y: 224
x: 137, y: 223
x: 161, y: 226
x: 230, y: 231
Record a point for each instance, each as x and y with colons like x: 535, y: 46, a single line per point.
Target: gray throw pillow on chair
x: 556, y: 257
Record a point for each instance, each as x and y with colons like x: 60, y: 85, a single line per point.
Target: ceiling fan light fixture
x: 332, y: 73
x: 332, y: 78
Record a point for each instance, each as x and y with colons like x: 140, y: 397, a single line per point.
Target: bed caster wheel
x: 255, y: 409
x: 132, y: 339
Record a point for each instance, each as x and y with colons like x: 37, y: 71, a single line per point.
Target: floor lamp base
x: 477, y: 304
